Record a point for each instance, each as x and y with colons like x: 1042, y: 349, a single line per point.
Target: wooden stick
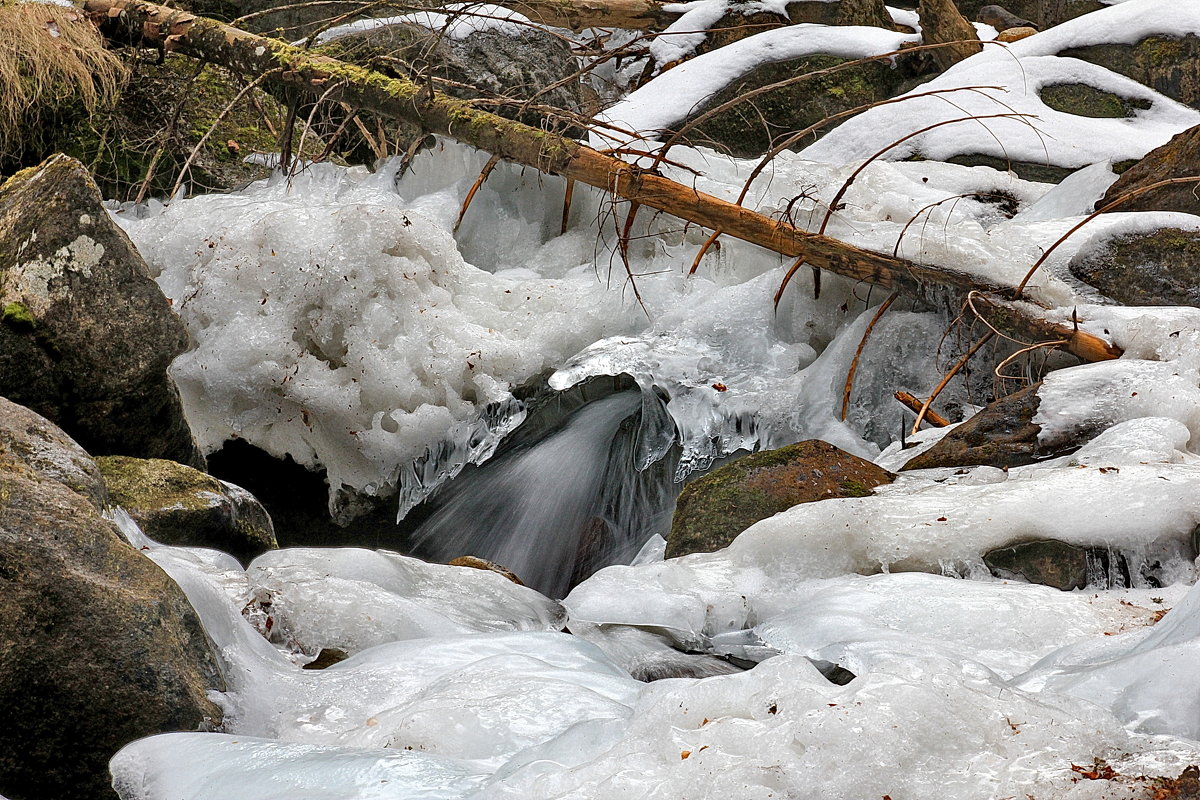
x: 913, y: 404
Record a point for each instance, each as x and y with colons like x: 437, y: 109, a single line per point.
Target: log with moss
x: 146, y: 24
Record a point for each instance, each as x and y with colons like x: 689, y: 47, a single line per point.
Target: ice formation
x: 337, y: 318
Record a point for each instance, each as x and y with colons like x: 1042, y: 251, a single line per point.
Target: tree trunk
x: 135, y: 22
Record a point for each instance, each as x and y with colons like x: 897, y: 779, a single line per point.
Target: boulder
x: 85, y: 333
x: 1175, y: 159
x: 750, y: 129
x: 942, y: 24
x: 175, y: 504
x: 484, y: 64
x: 1168, y: 65
x: 1001, y: 435
x: 1144, y: 269
x: 1083, y: 100
x: 1002, y: 19
x: 1047, y: 562
x: 98, y: 647
x: 713, y: 510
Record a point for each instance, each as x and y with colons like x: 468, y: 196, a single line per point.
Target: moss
x: 18, y: 317
x: 853, y: 488
x: 1083, y: 100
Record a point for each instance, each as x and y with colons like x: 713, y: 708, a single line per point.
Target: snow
x: 675, y: 94
x: 1041, y: 135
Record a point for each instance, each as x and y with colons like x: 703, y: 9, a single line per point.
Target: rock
x: 941, y: 24
x: 713, y: 510
x: 1011, y: 35
x: 327, y: 658
x: 1042, y: 14
x: 1083, y: 100
x: 1001, y: 435
x: 749, y: 129
x: 1175, y: 159
x: 484, y: 64
x: 175, y: 504
x: 1168, y: 65
x: 85, y: 333
x: 98, y: 647
x: 1002, y: 19
x: 1161, y: 268
x: 737, y: 24
x: 1047, y: 562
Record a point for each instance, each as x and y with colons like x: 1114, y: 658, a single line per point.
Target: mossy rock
x: 1047, y: 562
x: 175, y: 504
x: 1161, y: 268
x: 713, y: 510
x: 1083, y: 100
x: 746, y: 19
x: 86, y: 335
x: 751, y: 129
x: 1175, y: 159
x: 1043, y: 13
x: 1168, y: 65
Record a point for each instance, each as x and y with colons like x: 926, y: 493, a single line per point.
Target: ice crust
x: 462, y: 20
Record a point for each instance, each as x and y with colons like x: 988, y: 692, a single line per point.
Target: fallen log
x: 140, y: 23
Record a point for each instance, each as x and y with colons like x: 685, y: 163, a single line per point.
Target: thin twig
x: 912, y: 403
x: 962, y: 362
x: 703, y: 249
x: 862, y: 345
x: 483, y: 176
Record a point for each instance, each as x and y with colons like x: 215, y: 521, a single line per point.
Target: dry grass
x: 50, y: 56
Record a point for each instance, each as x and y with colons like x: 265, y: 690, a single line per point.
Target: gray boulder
x: 85, y: 333
x: 98, y: 647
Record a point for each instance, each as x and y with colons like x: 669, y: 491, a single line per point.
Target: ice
x: 304, y: 299
x: 1097, y: 396
x: 193, y: 766
x: 353, y: 599
x: 1075, y: 196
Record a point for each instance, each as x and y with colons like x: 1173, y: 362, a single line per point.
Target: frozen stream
x: 339, y: 319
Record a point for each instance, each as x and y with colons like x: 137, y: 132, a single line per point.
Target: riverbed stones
x: 98, y: 647
x: 1159, y: 268
x: 713, y: 510
x: 175, y: 504
x: 86, y: 335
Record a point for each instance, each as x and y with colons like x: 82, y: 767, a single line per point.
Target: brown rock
x: 941, y: 23
x: 85, y: 333
x: 1009, y: 35
x: 713, y: 510
x: 1001, y: 435
x: 98, y: 647
x: 1175, y: 159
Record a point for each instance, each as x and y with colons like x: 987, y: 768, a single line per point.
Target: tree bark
x: 136, y: 22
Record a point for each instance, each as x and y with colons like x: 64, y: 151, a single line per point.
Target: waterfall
x: 555, y: 509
